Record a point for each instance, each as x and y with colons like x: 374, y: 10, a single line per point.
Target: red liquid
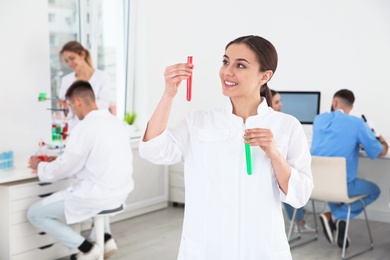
x: 43, y: 158
x: 189, y: 81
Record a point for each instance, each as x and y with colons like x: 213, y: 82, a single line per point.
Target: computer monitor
x: 303, y: 105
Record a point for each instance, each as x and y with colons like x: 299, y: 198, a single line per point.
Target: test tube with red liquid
x: 189, y: 81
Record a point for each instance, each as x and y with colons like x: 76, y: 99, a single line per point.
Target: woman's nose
x: 228, y: 70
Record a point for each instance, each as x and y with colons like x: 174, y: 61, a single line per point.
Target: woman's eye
x: 241, y: 66
x: 225, y: 62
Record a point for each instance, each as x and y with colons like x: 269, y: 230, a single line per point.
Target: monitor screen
x: 303, y: 105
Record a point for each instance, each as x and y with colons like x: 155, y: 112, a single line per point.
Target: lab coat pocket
x: 212, y: 146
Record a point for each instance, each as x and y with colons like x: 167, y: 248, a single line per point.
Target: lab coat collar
x: 96, y: 113
x: 262, y: 109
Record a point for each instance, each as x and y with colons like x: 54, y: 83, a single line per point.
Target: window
x: 111, y: 48
x: 101, y: 27
x: 52, y: 18
x: 53, y: 40
x: 61, y: 30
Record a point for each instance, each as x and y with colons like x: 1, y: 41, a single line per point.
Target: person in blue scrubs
x: 337, y: 133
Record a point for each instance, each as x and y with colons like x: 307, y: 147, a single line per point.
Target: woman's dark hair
x: 266, y: 56
x: 267, y: 94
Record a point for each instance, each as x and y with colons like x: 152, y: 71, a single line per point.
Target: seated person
x: 337, y: 133
x: 99, y: 158
x: 300, y: 215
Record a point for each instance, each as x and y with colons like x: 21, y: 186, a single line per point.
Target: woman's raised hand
x: 174, y: 75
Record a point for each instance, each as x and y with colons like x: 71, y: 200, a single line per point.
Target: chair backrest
x: 329, y: 178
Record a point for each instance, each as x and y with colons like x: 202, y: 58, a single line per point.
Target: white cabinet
x: 19, y: 240
x: 176, y: 183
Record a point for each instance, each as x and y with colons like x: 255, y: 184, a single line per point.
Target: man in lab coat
x: 98, y: 156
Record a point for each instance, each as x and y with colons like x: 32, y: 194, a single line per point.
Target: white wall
x: 323, y: 45
x: 25, y: 71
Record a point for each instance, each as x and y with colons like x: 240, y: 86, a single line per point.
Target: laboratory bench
x: 19, y: 188
x: 378, y: 172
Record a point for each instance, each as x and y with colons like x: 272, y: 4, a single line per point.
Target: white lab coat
x: 101, y: 85
x: 99, y: 157
x: 230, y: 214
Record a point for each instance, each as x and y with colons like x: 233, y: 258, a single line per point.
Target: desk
x: 377, y: 171
x: 19, y: 188
x: 16, y: 174
x: 362, y: 154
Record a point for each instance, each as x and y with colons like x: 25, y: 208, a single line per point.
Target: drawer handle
x: 45, y: 195
x: 44, y: 183
x: 42, y: 233
x: 47, y: 246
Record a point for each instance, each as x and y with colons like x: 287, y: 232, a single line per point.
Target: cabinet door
x: 24, y: 239
x: 150, y: 183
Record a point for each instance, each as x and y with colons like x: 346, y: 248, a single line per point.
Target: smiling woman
x: 251, y: 72
x: 219, y: 183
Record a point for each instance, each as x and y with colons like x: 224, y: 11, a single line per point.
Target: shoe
x: 110, y: 248
x: 328, y: 226
x: 304, y: 229
x: 93, y: 254
x: 340, y: 233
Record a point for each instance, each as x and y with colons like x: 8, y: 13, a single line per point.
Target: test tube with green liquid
x: 248, y: 158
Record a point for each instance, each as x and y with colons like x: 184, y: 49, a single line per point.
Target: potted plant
x: 129, y: 118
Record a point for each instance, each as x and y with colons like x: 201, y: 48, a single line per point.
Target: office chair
x: 330, y: 185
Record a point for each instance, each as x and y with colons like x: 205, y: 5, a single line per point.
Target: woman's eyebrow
x: 239, y: 59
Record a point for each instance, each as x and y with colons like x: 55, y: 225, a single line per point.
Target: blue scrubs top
x: 338, y: 134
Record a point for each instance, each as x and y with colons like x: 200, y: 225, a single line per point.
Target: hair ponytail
x: 266, y: 92
x: 88, y: 58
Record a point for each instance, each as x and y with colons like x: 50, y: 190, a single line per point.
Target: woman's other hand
x: 264, y: 138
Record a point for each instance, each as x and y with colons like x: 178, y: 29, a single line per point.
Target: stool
x: 98, y: 223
